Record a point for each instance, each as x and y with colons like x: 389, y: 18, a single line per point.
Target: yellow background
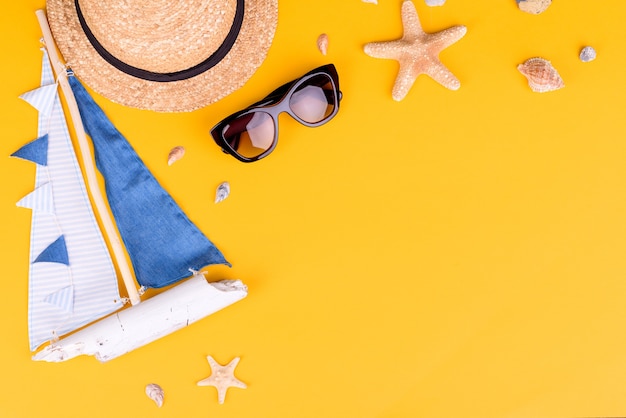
x: 455, y: 254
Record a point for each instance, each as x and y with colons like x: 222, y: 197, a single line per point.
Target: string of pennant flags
x: 56, y: 301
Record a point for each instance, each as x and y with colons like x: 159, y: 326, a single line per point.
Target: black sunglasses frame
x: 274, y: 104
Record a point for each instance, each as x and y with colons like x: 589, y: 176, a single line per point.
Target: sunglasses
x: 252, y: 133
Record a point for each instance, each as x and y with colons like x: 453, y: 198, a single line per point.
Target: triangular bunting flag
x: 63, y: 299
x: 54, y: 253
x: 35, y: 151
x: 39, y: 199
x: 41, y: 98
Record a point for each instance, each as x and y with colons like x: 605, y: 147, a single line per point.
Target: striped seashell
x: 175, y: 154
x: 155, y: 392
x: 322, y: 43
x: 541, y: 75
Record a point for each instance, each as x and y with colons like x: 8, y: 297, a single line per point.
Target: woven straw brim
x: 246, y: 55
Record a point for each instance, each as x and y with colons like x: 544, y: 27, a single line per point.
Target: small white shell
x: 587, y: 54
x: 370, y: 1
x: 223, y: 190
x: 155, y: 392
x: 435, y: 2
x: 175, y: 154
x: 322, y: 43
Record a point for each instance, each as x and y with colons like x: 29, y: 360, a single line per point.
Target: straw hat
x: 163, y: 55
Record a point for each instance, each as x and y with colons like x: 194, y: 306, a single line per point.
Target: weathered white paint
x: 148, y: 321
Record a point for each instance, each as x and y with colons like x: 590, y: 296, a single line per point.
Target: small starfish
x: 222, y: 378
x: 417, y: 52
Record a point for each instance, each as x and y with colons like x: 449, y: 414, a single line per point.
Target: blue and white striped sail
x: 72, y: 280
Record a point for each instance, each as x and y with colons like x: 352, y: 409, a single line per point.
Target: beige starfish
x: 222, y: 377
x: 417, y: 52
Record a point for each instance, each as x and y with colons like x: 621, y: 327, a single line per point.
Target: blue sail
x: 162, y: 243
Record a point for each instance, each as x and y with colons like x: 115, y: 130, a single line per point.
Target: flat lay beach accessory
x: 164, y: 55
x: 222, y: 378
x: 417, y: 52
x: 252, y: 133
x: 541, y: 75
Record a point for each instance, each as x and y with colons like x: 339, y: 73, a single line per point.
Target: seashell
x: 322, y: 43
x: 175, y: 154
x: 370, y: 1
x: 435, y: 2
x: 155, y: 392
x: 534, y: 7
x: 587, y: 54
x: 223, y: 190
x: 541, y: 75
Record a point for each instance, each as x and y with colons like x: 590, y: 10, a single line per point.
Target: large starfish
x: 222, y: 377
x: 417, y: 52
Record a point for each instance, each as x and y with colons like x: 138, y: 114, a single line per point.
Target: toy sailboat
x: 73, y: 286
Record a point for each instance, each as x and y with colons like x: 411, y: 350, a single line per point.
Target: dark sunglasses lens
x: 250, y: 135
x: 314, y: 100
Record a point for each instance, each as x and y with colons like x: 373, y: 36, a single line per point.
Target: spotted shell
x: 587, y: 54
x: 541, y: 75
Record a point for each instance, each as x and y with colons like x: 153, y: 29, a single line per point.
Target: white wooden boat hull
x: 147, y: 321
